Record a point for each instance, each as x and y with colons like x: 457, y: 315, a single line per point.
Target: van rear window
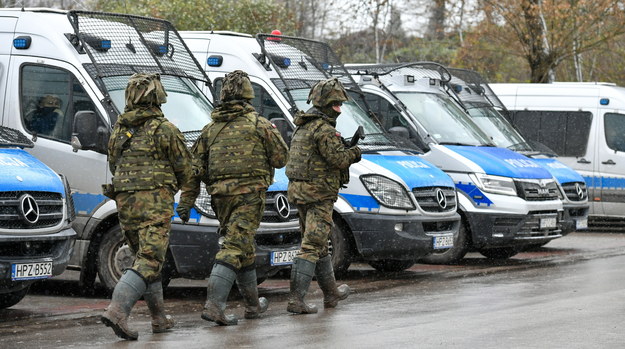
x: 566, y: 132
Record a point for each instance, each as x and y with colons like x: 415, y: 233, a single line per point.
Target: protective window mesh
x: 11, y: 137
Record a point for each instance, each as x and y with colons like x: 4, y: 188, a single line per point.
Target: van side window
x: 262, y: 102
x: 50, y: 97
x: 565, y: 132
x: 614, y: 126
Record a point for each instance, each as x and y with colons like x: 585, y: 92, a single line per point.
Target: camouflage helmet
x: 236, y: 86
x: 327, y: 92
x: 50, y: 101
x: 145, y: 90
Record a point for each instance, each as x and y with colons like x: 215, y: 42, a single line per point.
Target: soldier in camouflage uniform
x: 317, y: 159
x: 150, y: 162
x: 238, y: 152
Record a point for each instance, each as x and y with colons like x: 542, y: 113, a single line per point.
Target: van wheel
x: 340, y: 250
x: 499, y: 252
x: 114, y: 256
x: 454, y: 254
x: 12, y: 298
x: 391, y: 265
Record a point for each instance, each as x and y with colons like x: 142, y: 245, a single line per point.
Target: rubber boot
x: 153, y: 296
x: 219, y: 285
x: 128, y: 290
x: 327, y: 283
x: 254, y: 306
x: 301, y: 276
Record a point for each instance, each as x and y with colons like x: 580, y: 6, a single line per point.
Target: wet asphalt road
x: 570, y: 294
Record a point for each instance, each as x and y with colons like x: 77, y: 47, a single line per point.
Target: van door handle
x: 609, y: 162
x: 583, y: 161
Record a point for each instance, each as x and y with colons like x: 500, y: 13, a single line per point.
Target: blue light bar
x: 215, y: 61
x: 162, y: 49
x: 287, y: 62
x: 22, y: 42
x: 604, y: 101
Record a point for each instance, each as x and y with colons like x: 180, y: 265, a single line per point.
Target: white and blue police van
x: 487, y: 111
x: 36, y: 235
x: 82, y: 61
x: 507, y: 201
x: 584, y: 123
x: 397, y: 207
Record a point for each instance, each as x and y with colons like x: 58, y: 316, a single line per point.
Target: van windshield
x: 442, y: 119
x: 186, y: 106
x: 499, y: 129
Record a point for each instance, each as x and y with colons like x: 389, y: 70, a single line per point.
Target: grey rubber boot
x: 219, y: 285
x: 301, y: 276
x: 128, y: 290
x: 254, y: 306
x: 153, y: 296
x: 327, y: 283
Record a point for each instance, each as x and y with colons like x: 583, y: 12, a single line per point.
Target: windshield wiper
x: 457, y: 143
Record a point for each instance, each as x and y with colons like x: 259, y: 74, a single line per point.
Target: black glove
x: 183, y: 213
x: 358, y: 154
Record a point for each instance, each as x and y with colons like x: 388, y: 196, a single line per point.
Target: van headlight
x: 70, y: 211
x: 494, y: 184
x: 203, y: 202
x: 387, y: 192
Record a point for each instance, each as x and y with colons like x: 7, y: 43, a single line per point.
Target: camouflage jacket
x: 250, y: 167
x: 316, y: 159
x: 169, y: 152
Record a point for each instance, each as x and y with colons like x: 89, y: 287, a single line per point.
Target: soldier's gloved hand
x: 183, y: 213
x: 344, y: 141
x: 358, y: 154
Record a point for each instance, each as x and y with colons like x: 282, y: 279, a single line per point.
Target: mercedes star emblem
x: 580, y: 191
x: 441, y: 199
x: 282, y: 206
x: 29, y: 209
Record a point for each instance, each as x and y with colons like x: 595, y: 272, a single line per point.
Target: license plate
x: 31, y: 271
x: 445, y: 241
x: 546, y: 223
x: 581, y: 223
x: 282, y: 257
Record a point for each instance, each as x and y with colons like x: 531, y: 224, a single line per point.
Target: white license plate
x: 445, y: 241
x: 547, y: 223
x: 31, y: 271
x: 282, y: 257
x: 581, y: 223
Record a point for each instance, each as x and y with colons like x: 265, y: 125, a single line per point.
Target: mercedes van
x: 507, y: 201
x: 584, y: 123
x: 77, y: 63
x: 36, y: 235
x: 397, y: 207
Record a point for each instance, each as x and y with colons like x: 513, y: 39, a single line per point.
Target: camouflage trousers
x: 145, y: 218
x: 239, y: 217
x: 315, y: 221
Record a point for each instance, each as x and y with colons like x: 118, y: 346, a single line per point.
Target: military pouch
x: 109, y: 191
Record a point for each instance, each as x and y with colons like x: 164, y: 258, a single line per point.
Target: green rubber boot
x: 219, y: 285
x: 325, y: 278
x: 153, y: 296
x: 301, y: 276
x: 254, y: 306
x: 128, y: 290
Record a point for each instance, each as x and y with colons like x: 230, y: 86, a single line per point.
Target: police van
x: 36, y: 236
x: 76, y: 64
x: 507, y: 201
x: 481, y: 103
x: 396, y: 207
x: 584, y: 123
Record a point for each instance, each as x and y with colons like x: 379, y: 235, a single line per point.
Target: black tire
x: 499, y: 252
x: 339, y: 247
x: 391, y: 265
x: 114, y: 256
x: 456, y: 253
x: 12, y: 298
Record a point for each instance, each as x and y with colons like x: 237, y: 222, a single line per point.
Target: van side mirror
x: 88, y: 133
x: 284, y: 128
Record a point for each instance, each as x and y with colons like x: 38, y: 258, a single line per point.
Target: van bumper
x: 380, y: 236
x: 575, y: 217
x: 56, y: 248
x: 509, y: 230
x: 194, y: 247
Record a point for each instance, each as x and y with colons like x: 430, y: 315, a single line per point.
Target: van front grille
x: 16, y: 213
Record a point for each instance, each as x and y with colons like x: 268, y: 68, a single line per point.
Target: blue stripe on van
x: 605, y: 182
x: 502, y: 162
x: 85, y: 203
x: 474, y: 193
x: 361, y: 202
